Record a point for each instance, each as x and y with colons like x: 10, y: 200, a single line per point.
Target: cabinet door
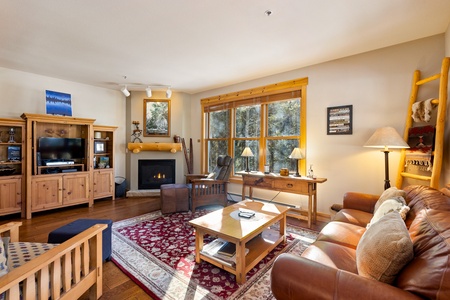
x: 10, y: 195
x: 103, y: 183
x: 46, y: 192
x: 76, y: 188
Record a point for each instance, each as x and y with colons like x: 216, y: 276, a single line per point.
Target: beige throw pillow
x: 384, y: 249
x: 388, y: 206
x: 390, y: 193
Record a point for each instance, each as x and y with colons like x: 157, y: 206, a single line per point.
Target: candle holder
x: 136, y: 132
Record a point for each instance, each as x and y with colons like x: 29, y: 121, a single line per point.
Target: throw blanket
x: 421, y: 143
x: 421, y: 111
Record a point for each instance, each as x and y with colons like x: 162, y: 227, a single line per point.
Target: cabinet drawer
x: 292, y: 186
x: 261, y: 182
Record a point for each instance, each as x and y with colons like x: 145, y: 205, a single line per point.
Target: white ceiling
x: 197, y: 45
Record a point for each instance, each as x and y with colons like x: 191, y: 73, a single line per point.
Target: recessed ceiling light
x: 268, y: 12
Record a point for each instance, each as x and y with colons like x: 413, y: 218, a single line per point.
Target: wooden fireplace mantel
x: 138, y: 147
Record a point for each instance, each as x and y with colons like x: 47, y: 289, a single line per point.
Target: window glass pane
x: 278, y: 152
x: 240, y: 162
x: 219, y: 124
x: 248, y: 121
x: 284, y: 118
x: 216, y: 148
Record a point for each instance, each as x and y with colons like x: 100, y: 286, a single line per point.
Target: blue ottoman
x: 70, y: 230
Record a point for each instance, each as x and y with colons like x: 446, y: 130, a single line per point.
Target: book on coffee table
x: 212, y: 250
x: 227, y: 249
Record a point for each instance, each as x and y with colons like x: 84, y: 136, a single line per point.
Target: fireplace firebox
x: 152, y: 173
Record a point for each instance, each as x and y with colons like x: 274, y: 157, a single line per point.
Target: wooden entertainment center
x: 38, y: 184
x: 11, y: 165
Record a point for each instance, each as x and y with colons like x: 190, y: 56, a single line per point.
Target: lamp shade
x: 386, y: 137
x: 247, y: 152
x: 297, y: 154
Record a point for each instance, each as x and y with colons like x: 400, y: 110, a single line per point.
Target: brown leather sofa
x: 327, y: 269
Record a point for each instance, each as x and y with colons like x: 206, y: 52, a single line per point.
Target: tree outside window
x: 218, y: 134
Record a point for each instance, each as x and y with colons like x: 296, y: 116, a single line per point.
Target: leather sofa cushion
x: 428, y: 274
x: 332, y: 255
x: 384, y: 249
x: 353, y: 216
x: 341, y: 233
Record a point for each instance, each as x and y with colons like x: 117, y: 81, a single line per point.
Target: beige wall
x: 447, y: 41
x: 377, y: 84
x: 180, y: 121
x: 25, y: 92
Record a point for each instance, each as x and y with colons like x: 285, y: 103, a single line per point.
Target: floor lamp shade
x: 385, y: 138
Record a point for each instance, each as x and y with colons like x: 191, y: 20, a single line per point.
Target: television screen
x: 61, y: 148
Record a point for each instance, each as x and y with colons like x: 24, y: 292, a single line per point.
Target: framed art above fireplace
x: 156, y: 117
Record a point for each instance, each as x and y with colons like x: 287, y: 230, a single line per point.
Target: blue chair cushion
x: 70, y: 230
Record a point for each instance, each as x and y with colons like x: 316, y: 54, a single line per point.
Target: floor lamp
x: 386, y: 137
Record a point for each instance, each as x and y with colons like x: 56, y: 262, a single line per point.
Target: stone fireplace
x: 152, y: 173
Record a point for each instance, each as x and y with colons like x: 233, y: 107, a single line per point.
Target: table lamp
x: 386, y: 137
x: 297, y: 154
x: 247, y: 153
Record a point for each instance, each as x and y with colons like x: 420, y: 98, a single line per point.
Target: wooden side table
x: 296, y: 185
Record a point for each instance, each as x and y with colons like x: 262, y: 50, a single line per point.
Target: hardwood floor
x: 116, y: 285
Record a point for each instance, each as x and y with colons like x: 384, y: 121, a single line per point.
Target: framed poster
x: 57, y: 103
x: 340, y: 119
x: 156, y: 117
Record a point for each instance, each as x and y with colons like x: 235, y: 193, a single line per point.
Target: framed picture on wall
x: 340, y: 119
x: 156, y: 117
x: 57, y: 103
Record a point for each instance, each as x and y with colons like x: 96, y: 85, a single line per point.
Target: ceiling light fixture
x: 124, y: 88
x: 125, y: 91
x: 168, y: 93
x: 148, y: 91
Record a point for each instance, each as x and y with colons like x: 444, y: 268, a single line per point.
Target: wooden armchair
x: 212, y: 189
x: 66, y: 271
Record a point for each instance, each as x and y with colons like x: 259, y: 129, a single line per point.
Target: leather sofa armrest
x: 294, y: 277
x: 360, y: 201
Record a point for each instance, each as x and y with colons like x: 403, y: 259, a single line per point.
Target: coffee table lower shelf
x: 258, y: 247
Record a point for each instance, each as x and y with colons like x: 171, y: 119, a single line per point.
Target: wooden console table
x: 296, y: 185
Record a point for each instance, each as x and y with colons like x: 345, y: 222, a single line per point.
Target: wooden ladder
x: 441, y: 103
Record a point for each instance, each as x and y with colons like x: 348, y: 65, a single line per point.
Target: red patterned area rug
x: 158, y: 253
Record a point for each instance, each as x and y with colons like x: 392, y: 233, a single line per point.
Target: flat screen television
x: 51, y: 148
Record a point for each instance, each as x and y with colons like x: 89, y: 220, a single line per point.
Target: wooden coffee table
x: 253, y: 234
